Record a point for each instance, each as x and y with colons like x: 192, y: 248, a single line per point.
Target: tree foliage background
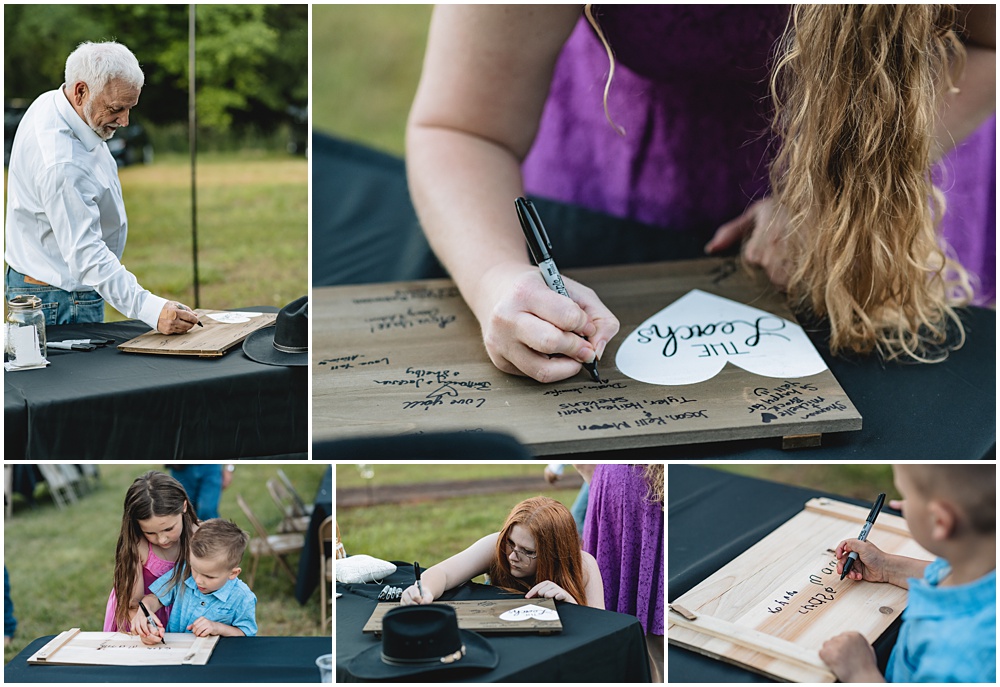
x: 250, y: 63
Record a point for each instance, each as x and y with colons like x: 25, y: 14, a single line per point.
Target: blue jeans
x: 9, y: 621
x: 203, y: 484
x: 60, y: 307
x: 579, y: 509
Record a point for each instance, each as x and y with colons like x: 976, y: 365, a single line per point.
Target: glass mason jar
x: 23, y: 314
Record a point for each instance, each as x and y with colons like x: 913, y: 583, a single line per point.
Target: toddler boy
x: 950, y: 622
x: 213, y: 601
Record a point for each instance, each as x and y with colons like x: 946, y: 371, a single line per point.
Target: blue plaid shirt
x: 949, y: 634
x: 232, y: 604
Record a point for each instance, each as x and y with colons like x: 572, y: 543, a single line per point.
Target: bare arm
x: 486, y: 76
x: 594, y: 584
x: 452, y: 572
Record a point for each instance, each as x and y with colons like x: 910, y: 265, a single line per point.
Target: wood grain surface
x: 785, y: 591
x: 119, y: 649
x: 210, y: 341
x: 408, y: 357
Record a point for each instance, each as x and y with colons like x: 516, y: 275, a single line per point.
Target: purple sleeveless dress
x: 624, y: 532
x: 691, y: 91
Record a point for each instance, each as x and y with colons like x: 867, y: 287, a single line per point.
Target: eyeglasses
x: 520, y: 553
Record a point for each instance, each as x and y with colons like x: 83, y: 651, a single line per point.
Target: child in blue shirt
x: 949, y: 625
x: 212, y: 600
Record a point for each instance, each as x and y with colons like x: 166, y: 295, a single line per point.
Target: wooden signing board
x: 772, y: 608
x: 408, y: 357
x: 490, y: 616
x: 73, y: 647
x: 210, y: 341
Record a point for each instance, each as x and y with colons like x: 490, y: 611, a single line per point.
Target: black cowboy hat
x: 422, y: 639
x: 285, y: 343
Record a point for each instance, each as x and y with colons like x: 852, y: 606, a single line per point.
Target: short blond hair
x: 217, y: 537
x: 973, y: 488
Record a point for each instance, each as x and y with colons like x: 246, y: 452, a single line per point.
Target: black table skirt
x: 308, y: 577
x: 713, y: 517
x: 594, y: 646
x: 235, y: 659
x: 110, y: 405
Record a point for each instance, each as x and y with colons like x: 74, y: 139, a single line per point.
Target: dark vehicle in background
x: 130, y: 145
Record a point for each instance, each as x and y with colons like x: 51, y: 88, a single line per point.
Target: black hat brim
x: 259, y: 346
x: 479, y: 655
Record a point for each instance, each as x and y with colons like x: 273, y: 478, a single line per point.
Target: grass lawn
x: 859, y: 480
x: 252, y: 228
x: 432, y: 531
x: 366, y: 65
x: 61, y: 562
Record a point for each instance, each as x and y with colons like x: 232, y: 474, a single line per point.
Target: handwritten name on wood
x: 409, y: 357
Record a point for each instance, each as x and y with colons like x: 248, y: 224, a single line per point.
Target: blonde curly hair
x: 856, y: 90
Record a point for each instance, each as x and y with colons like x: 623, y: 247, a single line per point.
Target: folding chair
x: 292, y: 517
x: 263, y: 544
x: 325, y: 567
x: 59, y: 486
x: 304, y: 508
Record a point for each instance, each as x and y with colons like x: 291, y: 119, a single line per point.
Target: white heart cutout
x: 693, y: 338
x: 529, y: 612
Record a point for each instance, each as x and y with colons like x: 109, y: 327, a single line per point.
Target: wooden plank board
x: 119, y: 649
x: 408, y: 357
x: 785, y: 589
x: 210, y: 341
x: 484, y: 616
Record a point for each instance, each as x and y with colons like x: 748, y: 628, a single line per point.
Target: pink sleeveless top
x: 153, y: 568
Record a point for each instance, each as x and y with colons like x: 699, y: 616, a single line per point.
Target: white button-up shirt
x: 66, y: 223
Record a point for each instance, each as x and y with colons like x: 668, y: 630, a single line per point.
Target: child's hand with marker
x: 146, y: 624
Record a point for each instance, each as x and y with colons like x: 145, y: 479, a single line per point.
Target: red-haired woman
x: 537, y: 552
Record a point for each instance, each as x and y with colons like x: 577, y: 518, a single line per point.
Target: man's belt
x: 32, y: 280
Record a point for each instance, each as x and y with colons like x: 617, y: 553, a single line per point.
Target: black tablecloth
x: 308, y: 577
x: 713, y: 517
x: 106, y: 404
x: 594, y: 646
x: 365, y: 230
x: 235, y: 659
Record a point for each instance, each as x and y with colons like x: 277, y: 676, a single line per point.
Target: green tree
x: 250, y: 60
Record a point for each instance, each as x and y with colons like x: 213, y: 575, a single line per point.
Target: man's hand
x: 175, y: 318
x: 851, y: 658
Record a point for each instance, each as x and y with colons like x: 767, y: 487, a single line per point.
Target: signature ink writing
x: 825, y: 595
x: 411, y: 318
x: 792, y: 399
x: 555, y: 393
x: 766, y: 325
x: 349, y: 362
x: 415, y: 294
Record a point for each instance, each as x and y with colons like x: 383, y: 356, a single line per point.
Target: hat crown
x: 291, y: 327
x: 420, y: 633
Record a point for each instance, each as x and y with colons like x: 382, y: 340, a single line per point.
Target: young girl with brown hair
x: 157, y: 523
x: 537, y: 553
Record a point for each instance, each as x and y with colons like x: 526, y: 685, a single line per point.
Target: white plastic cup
x: 325, y: 665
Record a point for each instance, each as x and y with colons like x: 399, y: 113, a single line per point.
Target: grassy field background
x: 366, y: 65
x: 429, y: 532
x: 252, y: 228
x: 61, y: 562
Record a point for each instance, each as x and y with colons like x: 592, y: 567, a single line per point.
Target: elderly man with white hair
x: 66, y: 225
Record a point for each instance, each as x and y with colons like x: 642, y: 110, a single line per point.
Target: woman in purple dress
x: 826, y: 180
x: 624, y: 532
